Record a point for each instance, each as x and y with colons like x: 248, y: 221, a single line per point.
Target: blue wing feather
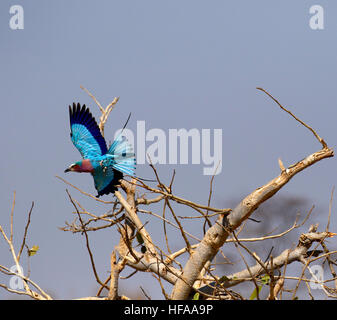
x: 85, y: 133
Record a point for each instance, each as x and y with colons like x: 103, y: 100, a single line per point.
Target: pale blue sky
x: 177, y: 64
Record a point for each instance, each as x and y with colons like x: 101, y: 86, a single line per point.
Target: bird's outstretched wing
x: 85, y: 133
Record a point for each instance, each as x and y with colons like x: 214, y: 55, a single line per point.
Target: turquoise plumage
x: 107, y: 166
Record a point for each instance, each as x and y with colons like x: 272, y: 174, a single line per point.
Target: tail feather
x: 123, y: 157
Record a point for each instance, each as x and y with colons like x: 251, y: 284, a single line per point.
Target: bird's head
x: 77, y: 167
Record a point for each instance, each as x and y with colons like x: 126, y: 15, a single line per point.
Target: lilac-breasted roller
x: 107, y: 166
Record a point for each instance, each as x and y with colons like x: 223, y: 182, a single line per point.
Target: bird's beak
x: 67, y: 170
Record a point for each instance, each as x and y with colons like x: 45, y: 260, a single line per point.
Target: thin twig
x: 323, y: 143
x: 12, y: 214
x: 83, y: 192
x: 330, y: 207
x: 25, y: 233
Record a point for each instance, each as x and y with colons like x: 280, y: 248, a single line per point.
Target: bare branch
x: 132, y: 215
x: 105, y: 112
x: 114, y: 274
x: 324, y: 145
x: 25, y: 233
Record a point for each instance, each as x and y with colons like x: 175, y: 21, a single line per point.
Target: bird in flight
x: 107, y: 166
